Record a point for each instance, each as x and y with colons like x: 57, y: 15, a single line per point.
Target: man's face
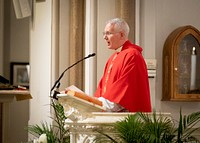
x: 112, y: 37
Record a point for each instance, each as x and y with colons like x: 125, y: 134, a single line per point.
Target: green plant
x: 156, y: 128
x: 143, y: 128
x: 188, y: 128
x: 55, y: 133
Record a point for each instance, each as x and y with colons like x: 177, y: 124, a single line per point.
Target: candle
x: 193, y: 69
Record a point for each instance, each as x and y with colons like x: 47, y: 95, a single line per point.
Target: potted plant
x: 55, y: 133
x: 154, y: 128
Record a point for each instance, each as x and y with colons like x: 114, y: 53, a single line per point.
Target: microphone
x: 57, y: 83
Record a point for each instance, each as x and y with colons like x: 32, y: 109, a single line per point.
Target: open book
x: 75, y: 96
x: 84, y: 97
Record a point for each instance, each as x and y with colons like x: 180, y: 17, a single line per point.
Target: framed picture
x: 19, y: 74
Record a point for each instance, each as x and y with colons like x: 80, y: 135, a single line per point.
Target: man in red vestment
x: 124, y: 85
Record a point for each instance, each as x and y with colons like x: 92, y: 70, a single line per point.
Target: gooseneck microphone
x: 57, y: 83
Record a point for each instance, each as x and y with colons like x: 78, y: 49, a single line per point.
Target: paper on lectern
x: 74, y: 91
x: 74, y: 88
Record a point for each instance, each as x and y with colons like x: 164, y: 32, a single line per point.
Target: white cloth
x: 110, y: 106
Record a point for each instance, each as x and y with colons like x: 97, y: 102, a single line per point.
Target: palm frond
x: 157, y: 127
x: 59, y: 118
x: 130, y: 129
x: 55, y: 133
x: 37, y: 130
x: 187, y: 127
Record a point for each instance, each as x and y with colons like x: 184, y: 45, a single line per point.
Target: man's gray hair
x: 120, y: 25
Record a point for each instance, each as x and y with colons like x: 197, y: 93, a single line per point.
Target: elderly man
x: 124, y: 86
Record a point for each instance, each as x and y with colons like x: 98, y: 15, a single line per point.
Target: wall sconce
x: 22, y: 8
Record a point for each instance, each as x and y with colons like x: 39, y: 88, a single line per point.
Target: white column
x: 55, y: 42
x: 90, y: 46
x: 64, y: 36
x: 147, y: 39
x: 40, y: 62
x: 137, y: 22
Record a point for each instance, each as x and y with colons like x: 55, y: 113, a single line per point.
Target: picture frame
x: 19, y: 75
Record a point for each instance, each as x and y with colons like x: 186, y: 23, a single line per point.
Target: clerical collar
x: 119, y: 49
x: 124, y: 45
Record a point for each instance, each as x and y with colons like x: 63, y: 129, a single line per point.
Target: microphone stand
x: 57, y: 83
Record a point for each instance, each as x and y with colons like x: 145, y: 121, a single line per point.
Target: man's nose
x: 105, y: 37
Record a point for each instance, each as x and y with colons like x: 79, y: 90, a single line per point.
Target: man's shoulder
x: 130, y: 47
x: 131, y: 51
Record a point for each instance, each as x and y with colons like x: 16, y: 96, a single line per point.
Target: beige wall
x: 15, y: 44
x: 171, y: 14
x: 14, y: 47
x: 106, y: 11
x: 19, y: 35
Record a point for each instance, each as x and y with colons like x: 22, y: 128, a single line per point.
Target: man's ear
x: 122, y: 34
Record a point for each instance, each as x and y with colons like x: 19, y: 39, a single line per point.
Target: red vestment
x: 127, y: 83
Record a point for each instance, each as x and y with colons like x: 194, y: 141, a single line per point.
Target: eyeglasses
x: 109, y: 33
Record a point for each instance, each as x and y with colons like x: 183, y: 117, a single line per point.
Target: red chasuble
x: 125, y: 80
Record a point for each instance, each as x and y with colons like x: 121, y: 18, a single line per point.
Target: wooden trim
x: 170, y: 64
